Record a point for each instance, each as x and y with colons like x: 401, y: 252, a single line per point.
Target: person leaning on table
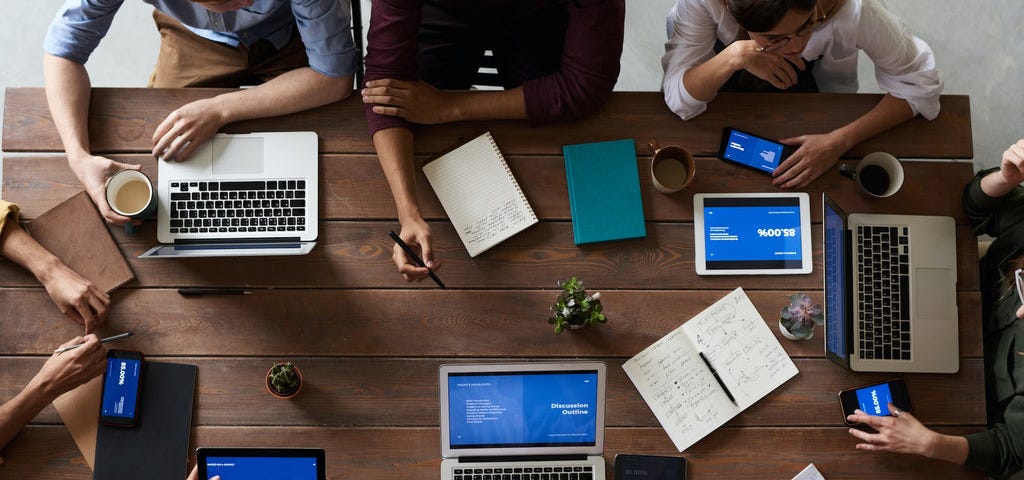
x: 76, y: 297
x: 798, y: 45
x: 994, y: 202
x: 557, y: 59
x: 302, y: 49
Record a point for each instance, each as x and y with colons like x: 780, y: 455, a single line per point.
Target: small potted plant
x: 284, y: 380
x: 798, y: 319
x: 574, y: 308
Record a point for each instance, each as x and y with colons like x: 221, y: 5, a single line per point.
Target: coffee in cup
x: 672, y: 167
x: 130, y: 193
x: 879, y: 175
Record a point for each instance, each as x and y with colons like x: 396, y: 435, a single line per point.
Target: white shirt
x: 904, y: 64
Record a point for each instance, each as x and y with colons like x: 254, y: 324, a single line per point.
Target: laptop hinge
x: 193, y: 241
x: 521, y: 458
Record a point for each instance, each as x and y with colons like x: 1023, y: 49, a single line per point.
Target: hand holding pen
x: 415, y: 258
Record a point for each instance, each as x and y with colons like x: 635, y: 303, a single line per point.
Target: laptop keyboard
x: 524, y: 473
x: 883, y: 273
x: 243, y: 206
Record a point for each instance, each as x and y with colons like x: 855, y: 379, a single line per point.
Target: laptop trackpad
x: 233, y: 156
x: 930, y: 291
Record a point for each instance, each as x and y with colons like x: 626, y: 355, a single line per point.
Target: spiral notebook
x: 479, y: 193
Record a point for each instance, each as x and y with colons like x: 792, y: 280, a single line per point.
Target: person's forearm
x: 473, y: 105
x: 19, y: 247
x: 394, y: 150
x: 20, y: 410
x: 703, y: 81
x: 67, y: 93
x: 950, y: 448
x: 994, y: 185
x: 887, y: 113
x: 293, y: 91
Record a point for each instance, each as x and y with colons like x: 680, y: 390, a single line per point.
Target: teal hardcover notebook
x: 604, y: 191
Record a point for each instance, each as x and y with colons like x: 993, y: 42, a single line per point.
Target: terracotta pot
x: 298, y: 374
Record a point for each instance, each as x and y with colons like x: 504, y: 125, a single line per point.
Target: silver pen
x: 105, y: 340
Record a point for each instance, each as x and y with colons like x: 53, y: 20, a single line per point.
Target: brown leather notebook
x: 75, y: 233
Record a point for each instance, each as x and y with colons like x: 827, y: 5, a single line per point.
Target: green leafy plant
x: 574, y: 308
x: 800, y: 316
x: 284, y: 379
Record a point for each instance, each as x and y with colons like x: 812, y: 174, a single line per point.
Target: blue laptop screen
x: 522, y: 409
x: 262, y: 468
x: 835, y: 283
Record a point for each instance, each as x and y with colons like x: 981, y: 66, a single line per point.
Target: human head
x: 221, y: 6
x: 770, y: 20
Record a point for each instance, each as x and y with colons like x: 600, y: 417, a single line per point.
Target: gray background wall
x: 979, y: 46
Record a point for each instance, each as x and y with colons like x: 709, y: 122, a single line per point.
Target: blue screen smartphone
x: 874, y: 399
x: 751, y: 151
x: 122, y: 386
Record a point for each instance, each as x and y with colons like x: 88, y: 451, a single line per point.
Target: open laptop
x: 890, y: 292
x: 517, y: 420
x: 240, y: 195
x: 262, y: 463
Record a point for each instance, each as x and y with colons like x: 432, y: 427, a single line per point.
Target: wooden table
x: 369, y: 345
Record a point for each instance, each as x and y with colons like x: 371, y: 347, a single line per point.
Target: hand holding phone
x: 122, y: 388
x: 874, y: 399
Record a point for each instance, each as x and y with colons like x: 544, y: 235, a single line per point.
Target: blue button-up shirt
x: 323, y: 25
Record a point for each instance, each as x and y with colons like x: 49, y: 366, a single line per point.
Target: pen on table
x: 719, y: 379
x: 195, y: 292
x: 415, y: 258
x: 105, y: 340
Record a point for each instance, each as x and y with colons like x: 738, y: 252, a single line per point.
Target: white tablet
x: 752, y: 233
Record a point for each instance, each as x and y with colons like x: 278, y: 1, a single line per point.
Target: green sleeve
x: 999, y: 451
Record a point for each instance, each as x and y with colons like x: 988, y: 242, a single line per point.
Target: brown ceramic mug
x: 672, y: 167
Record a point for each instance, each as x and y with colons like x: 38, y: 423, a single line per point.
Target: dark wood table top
x: 369, y: 345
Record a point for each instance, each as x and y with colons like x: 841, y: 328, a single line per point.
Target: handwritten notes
x: 679, y: 387
x: 479, y: 194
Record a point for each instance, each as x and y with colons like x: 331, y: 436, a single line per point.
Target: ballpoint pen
x: 105, y: 340
x: 415, y: 258
x: 718, y: 378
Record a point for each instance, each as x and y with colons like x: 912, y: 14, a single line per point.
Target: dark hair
x: 764, y: 15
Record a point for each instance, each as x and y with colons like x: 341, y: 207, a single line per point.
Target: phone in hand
x: 874, y: 399
x: 122, y: 388
x: 752, y: 151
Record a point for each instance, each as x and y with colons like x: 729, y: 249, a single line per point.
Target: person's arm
x: 61, y: 373
x: 994, y: 199
x: 905, y: 434
x: 188, y: 127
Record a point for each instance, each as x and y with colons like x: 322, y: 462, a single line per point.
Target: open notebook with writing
x: 478, y: 192
x: 680, y: 388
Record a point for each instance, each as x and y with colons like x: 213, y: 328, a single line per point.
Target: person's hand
x: 415, y: 233
x: 415, y: 101
x: 185, y: 129
x: 815, y: 155
x: 65, y: 371
x: 776, y: 69
x: 195, y: 474
x: 900, y: 433
x: 1012, y: 167
x: 76, y: 297
x: 93, y: 171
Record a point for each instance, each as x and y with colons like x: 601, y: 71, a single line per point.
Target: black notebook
x: 157, y: 447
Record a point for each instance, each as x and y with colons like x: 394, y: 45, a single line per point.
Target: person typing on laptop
x: 557, y: 59
x: 302, y: 49
x: 994, y: 202
x: 76, y: 297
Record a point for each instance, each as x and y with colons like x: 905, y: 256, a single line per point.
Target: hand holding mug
x: 130, y: 193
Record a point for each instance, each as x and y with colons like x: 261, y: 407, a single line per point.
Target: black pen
x: 195, y: 292
x: 719, y: 379
x: 415, y: 258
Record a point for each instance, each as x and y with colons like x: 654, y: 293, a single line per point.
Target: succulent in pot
x: 797, y: 320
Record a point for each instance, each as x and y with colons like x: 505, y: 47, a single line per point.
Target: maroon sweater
x: 590, y: 59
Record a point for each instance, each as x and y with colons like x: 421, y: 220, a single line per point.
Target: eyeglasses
x: 817, y: 17
x: 1020, y: 284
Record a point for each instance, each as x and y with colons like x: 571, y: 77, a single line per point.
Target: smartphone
x: 751, y: 151
x: 122, y: 388
x: 874, y: 399
x: 649, y: 467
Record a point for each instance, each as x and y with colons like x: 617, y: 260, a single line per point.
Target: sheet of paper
x: 479, y: 194
x: 809, y: 473
x: 680, y: 389
x: 80, y: 410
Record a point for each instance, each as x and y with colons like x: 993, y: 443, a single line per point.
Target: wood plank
x: 392, y: 393
x: 394, y: 323
x: 413, y: 453
x: 358, y: 255
x: 353, y: 187
x: 122, y: 120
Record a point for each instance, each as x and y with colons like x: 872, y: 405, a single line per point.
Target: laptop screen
x: 523, y: 409
x: 835, y: 282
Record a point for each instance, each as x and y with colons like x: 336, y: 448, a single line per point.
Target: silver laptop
x: 516, y: 420
x: 240, y: 195
x: 890, y: 292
